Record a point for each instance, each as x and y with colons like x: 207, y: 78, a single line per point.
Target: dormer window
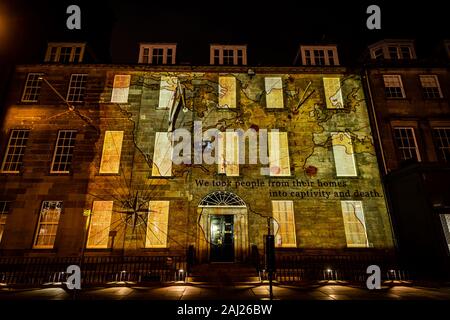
x: 65, y: 52
x: 157, y: 53
x: 228, y: 55
x: 393, y: 50
x: 319, y: 55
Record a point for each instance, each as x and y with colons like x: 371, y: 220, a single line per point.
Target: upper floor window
x: 319, y: 55
x: 442, y: 139
x: 157, y: 53
x: 430, y: 86
x: 65, y: 52
x: 62, y: 156
x: 393, y: 86
x: 393, y: 50
x: 121, y: 88
x: 228, y: 55
x: 77, y: 88
x: 15, y: 151
x: 32, y: 87
x: 406, y: 143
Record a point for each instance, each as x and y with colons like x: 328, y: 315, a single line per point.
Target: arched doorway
x: 222, y: 228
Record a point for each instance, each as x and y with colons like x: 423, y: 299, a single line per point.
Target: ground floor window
x: 354, y: 224
x: 100, y: 225
x: 445, y: 219
x: 4, y: 209
x: 47, y: 224
x: 284, y: 224
x: 157, y: 224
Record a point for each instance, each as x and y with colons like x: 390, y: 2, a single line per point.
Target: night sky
x: 272, y: 30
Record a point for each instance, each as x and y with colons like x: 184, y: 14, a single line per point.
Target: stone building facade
x: 95, y: 175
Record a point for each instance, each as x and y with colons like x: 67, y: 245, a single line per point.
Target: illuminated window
x: 344, y: 158
x: 445, y: 220
x: 333, y: 93
x: 406, y: 143
x: 15, y: 151
x: 47, y: 224
x: 227, y: 92
x: 228, y: 146
x: 274, y: 92
x: 121, y: 87
x: 112, y: 150
x: 167, y: 90
x: 4, y: 210
x: 162, y: 155
x: 393, y: 86
x: 65, y: 52
x: 430, y: 86
x: 32, y: 87
x: 228, y: 55
x: 442, y: 139
x: 279, y: 154
x: 284, y: 224
x: 77, y: 88
x: 100, y: 225
x: 157, y: 224
x: 354, y: 224
x: 157, y: 53
x: 63, y: 154
x: 319, y: 55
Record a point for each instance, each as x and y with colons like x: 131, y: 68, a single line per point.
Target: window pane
x: 112, y: 150
x: 274, y: 92
x: 442, y: 139
x: 279, y: 154
x: 227, y: 92
x: 100, y: 224
x: 162, y: 155
x: 157, y: 224
x: 344, y: 158
x: 32, y: 87
x: 167, y: 90
x: 393, y: 86
x: 333, y: 93
x: 284, y: 223
x: 15, y: 151
x: 406, y: 143
x: 62, y: 156
x: 48, y: 224
x: 4, y: 210
x: 354, y: 224
x: 121, y: 88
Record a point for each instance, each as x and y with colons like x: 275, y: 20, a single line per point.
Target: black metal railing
x: 351, y: 267
x: 95, y: 270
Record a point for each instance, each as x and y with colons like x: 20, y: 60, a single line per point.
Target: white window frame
x: 388, y: 81
x: 64, y: 150
x: 400, y: 148
x: 160, y: 225
x: 151, y: 46
x: 324, y: 49
x: 100, y: 222
x: 234, y: 48
x: 119, y: 94
x: 279, y: 223
x: 426, y: 81
x: 4, y: 211
x: 360, y: 217
x: 32, y: 85
x: 15, y: 150
x: 77, y: 87
x: 384, y: 46
x: 41, y: 222
x: 59, y: 46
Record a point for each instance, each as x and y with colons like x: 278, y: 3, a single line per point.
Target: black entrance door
x: 222, y: 245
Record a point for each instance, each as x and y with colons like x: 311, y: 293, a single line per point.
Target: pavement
x: 329, y: 290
